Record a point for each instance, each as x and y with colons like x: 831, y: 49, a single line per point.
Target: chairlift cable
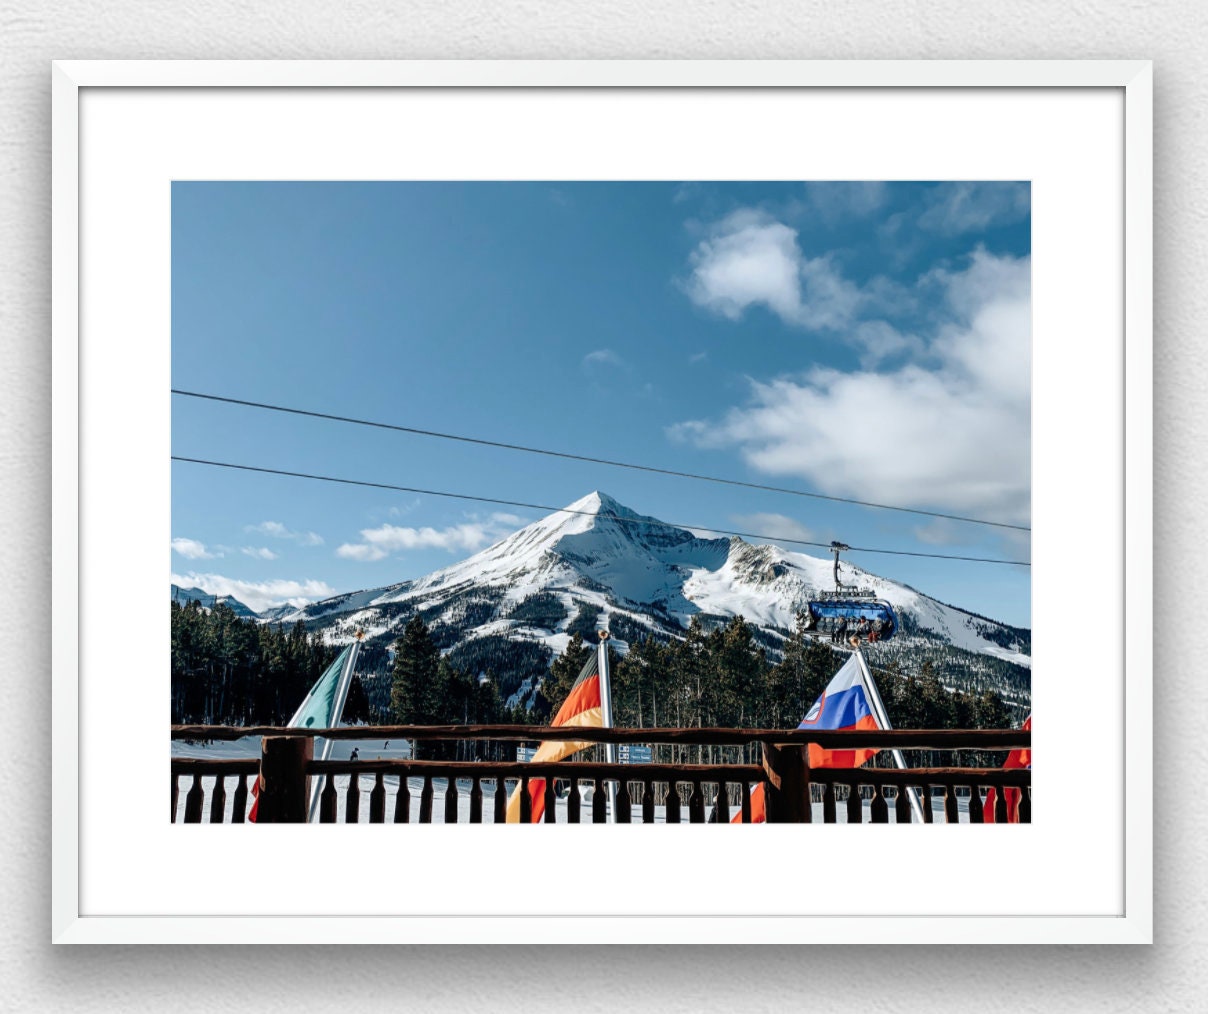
x: 593, y: 460
x: 569, y: 510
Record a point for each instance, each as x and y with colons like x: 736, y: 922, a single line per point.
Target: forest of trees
x: 231, y: 671
x: 226, y: 670
x: 723, y: 678
x: 425, y: 689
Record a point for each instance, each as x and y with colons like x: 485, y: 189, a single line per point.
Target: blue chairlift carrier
x: 852, y: 604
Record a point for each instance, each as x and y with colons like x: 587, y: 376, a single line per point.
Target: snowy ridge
x: 208, y: 601
x: 600, y: 558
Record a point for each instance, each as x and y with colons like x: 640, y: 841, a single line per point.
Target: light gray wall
x: 1169, y: 976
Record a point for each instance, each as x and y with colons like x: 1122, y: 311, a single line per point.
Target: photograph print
x: 601, y: 502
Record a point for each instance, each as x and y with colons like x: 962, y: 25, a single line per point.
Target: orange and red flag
x: 582, y: 707
x: 1015, y: 759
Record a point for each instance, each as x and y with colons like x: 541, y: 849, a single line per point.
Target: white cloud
x: 361, y: 551
x: 1011, y: 543
x: 955, y: 208
x: 1017, y: 544
x: 836, y: 201
x: 878, y: 340
x: 467, y: 537
x: 942, y: 532
x: 698, y: 357
x: 191, y: 549
x: 392, y: 537
x: 257, y: 595
x: 273, y: 528
x: 750, y: 259
x: 956, y: 432
x: 277, y: 530
x: 602, y: 357
x: 259, y: 552
x: 774, y: 526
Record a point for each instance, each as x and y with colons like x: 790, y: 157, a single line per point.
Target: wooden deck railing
x: 478, y: 791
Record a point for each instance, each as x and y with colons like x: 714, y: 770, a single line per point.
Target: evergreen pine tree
x: 356, y: 705
x: 415, y: 677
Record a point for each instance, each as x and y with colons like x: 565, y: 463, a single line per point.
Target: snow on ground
x: 376, y: 749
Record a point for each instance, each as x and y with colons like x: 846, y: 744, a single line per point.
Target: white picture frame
x: 151, y: 118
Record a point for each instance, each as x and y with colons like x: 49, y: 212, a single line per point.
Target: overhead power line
x: 653, y: 522
x: 592, y: 460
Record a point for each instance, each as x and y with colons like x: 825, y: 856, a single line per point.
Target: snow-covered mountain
x: 600, y: 562
x: 208, y: 601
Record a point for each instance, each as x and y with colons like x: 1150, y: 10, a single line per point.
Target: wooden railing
x: 478, y: 791
x: 196, y: 771
x: 686, y: 793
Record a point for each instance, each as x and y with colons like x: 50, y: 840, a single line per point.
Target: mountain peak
x: 598, y: 556
x: 597, y: 502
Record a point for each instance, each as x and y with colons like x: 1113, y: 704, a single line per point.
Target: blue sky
x: 864, y: 340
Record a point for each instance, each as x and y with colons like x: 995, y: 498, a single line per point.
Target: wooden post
x: 901, y: 806
x: 284, y: 785
x: 218, y: 800
x: 425, y: 801
x: 722, y: 806
x: 624, y: 811
x: 193, y: 802
x: 673, y: 802
x: 788, y: 784
x: 377, y: 800
x: 476, y: 801
x: 526, y: 802
x: 501, y: 800
x: 239, y: 806
x: 976, y: 816
x: 696, y: 804
x: 855, y: 805
x: 599, y: 801
x: 880, y: 808
x: 573, y: 802
x: 402, y: 802
x: 328, y: 801
x: 828, y: 804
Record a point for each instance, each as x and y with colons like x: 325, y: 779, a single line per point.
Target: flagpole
x: 610, y: 749
x: 878, y: 706
x: 337, y: 714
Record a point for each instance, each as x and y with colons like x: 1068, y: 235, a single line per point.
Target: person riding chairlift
x: 840, y: 630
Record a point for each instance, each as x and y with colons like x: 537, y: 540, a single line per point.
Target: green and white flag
x: 322, y: 707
